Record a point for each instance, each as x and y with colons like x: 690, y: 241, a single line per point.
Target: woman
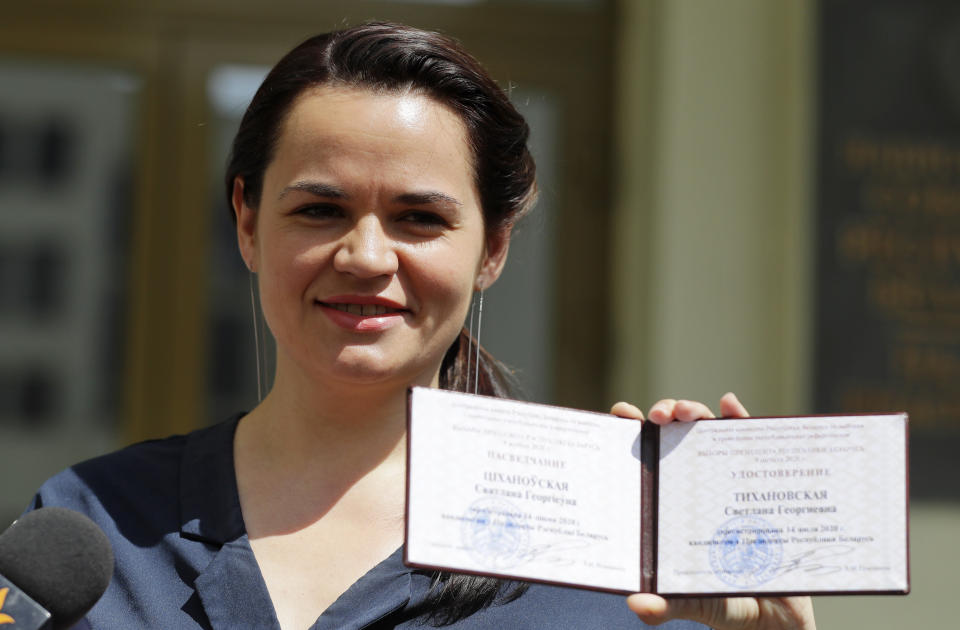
x: 374, y: 180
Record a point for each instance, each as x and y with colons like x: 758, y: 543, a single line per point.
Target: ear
x: 494, y: 259
x: 246, y: 225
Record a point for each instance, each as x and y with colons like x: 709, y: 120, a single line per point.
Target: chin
x: 373, y: 373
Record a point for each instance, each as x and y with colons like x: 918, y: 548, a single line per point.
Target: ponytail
x: 465, y: 370
x: 455, y: 596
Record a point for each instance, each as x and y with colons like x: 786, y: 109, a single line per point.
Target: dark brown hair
x: 396, y: 58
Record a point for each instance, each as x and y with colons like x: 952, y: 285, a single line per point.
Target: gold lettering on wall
x: 900, y: 238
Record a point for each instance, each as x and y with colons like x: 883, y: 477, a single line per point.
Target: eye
x: 424, y: 218
x: 319, y: 211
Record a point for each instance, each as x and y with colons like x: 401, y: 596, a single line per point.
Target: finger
x: 716, y: 612
x: 688, y: 410
x: 788, y: 612
x: 662, y: 411
x: 731, y: 613
x: 654, y: 610
x: 651, y: 609
x: 626, y: 410
x: 668, y: 410
x: 731, y: 407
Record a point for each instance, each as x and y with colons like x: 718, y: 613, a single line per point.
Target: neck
x: 334, y: 429
x: 325, y: 424
x: 320, y: 443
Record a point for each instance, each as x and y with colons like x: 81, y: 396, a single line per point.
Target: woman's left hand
x: 721, y: 613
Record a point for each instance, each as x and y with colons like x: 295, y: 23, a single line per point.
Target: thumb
x: 654, y: 610
x: 712, y: 611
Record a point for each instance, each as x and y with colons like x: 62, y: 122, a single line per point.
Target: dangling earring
x: 257, y: 341
x: 476, y: 371
x: 466, y: 378
x: 476, y: 342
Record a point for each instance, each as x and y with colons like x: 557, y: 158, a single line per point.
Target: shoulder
x: 141, y: 497
x: 148, y: 467
x: 142, y: 477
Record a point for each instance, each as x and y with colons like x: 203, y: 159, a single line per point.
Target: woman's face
x: 369, y: 239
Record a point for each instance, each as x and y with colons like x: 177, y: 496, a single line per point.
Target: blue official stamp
x: 495, y: 533
x: 746, y: 552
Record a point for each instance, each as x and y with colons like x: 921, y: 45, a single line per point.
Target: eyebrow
x: 427, y: 198
x: 418, y: 198
x: 315, y: 188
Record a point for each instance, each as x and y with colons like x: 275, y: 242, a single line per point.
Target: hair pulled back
x: 394, y: 58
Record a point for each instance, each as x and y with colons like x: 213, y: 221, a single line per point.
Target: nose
x: 366, y: 250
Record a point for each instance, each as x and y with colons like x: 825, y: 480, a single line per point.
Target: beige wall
x: 720, y: 223
x: 712, y: 252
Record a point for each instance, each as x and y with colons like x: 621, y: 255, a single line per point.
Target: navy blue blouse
x: 183, y: 560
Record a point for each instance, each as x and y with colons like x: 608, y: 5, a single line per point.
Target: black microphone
x: 55, y: 564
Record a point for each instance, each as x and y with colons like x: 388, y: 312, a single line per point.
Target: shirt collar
x: 209, y: 500
x: 384, y: 589
x: 210, y: 512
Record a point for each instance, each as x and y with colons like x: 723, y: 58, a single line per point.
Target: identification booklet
x: 773, y: 506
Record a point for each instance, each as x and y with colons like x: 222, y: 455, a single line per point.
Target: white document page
x: 764, y: 505
x: 523, y: 490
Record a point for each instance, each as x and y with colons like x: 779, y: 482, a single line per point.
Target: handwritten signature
x: 819, y: 561
x: 553, y: 553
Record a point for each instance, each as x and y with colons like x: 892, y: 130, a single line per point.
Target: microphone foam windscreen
x: 60, y: 558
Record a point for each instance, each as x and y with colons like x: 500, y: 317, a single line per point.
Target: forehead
x: 334, y: 121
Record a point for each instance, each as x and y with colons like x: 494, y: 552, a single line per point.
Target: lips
x: 361, y: 313
x: 363, y: 305
x: 362, y: 309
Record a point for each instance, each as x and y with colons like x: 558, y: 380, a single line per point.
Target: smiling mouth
x: 363, y: 310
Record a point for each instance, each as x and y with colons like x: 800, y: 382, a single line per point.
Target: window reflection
x: 232, y: 373
x: 65, y: 201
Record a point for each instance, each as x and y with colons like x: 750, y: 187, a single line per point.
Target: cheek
x: 284, y: 276
x: 445, y: 276
x: 292, y: 258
